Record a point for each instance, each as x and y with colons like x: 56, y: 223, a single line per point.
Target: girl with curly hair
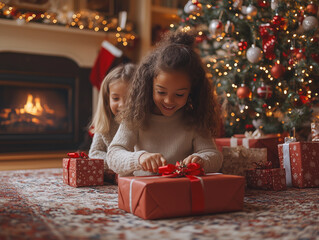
x: 171, y: 113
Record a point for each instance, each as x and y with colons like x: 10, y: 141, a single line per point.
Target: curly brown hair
x: 174, y: 53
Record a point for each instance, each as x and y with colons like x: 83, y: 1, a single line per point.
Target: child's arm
x: 121, y: 157
x: 206, y: 154
x: 98, y: 147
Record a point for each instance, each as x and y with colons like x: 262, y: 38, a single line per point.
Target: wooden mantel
x: 80, y: 45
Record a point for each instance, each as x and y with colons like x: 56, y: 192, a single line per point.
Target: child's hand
x: 152, y: 161
x: 193, y: 159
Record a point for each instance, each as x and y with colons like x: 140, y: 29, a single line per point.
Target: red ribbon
x: 190, y: 171
x: 75, y: 155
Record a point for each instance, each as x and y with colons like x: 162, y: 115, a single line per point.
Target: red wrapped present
x: 270, y: 142
x: 267, y: 178
x: 80, y: 171
x: 166, y: 197
x: 301, y: 162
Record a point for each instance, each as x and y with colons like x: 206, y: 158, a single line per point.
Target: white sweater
x: 165, y: 135
x: 100, y: 143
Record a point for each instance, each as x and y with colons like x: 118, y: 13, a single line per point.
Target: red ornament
x: 263, y: 3
x: 265, y: 105
x: 242, y: 45
x: 300, y: 55
x: 264, y: 91
x: 243, y: 92
x: 277, y: 71
x: 312, y: 9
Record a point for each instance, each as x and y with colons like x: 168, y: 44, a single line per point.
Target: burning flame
x: 34, y: 107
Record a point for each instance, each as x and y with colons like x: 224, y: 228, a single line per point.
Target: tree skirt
x: 35, y: 204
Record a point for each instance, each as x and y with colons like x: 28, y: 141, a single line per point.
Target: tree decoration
x: 277, y: 70
x: 237, y: 4
x: 264, y: 91
x: 267, y: 33
x: 251, y: 10
x: 310, y: 23
x: 254, y: 54
x: 242, y: 45
x: 274, y: 4
x: 312, y: 9
x: 192, y: 7
x: 216, y: 27
x: 243, y: 92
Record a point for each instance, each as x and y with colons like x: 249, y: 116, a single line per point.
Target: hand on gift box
x: 193, y: 159
x: 152, y: 161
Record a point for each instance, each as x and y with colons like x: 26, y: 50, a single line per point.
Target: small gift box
x: 254, y: 140
x: 266, y: 178
x: 80, y: 171
x: 155, y: 197
x: 301, y: 162
x: 238, y: 159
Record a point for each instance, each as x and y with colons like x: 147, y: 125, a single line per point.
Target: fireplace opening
x: 45, y: 103
x: 40, y: 109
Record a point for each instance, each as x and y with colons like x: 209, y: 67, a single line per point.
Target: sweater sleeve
x: 121, y: 157
x: 98, y: 149
x: 206, y: 149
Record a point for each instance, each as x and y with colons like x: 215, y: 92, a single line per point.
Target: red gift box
x: 163, y: 197
x: 301, y: 162
x: 266, y: 179
x: 270, y: 142
x: 82, y: 171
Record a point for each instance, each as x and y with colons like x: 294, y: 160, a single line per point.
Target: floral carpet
x: 35, y: 204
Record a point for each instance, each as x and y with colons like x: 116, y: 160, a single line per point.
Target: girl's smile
x: 170, y: 92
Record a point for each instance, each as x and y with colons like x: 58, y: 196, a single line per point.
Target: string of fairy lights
x: 224, y: 65
x: 82, y: 20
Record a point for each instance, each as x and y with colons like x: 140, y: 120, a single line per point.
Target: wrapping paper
x: 266, y: 179
x: 163, y: 197
x: 301, y: 163
x: 238, y: 159
x: 270, y: 142
x: 80, y: 172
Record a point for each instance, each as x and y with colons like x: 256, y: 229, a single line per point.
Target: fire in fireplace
x: 45, y: 103
x: 35, y: 110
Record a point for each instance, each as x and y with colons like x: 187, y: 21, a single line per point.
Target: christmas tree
x: 263, y: 57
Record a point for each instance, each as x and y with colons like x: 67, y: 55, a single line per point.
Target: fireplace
x: 45, y: 103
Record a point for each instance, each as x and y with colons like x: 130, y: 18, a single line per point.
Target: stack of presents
x: 251, y: 160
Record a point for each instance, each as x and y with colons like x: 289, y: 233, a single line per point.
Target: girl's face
x: 170, y: 92
x: 118, y: 92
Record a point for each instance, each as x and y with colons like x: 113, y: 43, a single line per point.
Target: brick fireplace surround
x: 50, y: 48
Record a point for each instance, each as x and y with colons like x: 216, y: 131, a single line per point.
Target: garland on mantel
x: 84, y: 19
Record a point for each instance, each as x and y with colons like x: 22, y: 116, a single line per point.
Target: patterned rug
x: 35, y: 204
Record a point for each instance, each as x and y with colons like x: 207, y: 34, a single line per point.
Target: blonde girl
x: 171, y: 114
x: 112, y: 96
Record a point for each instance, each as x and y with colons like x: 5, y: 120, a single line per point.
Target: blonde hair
x: 103, y: 117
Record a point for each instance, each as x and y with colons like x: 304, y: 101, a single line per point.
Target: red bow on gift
x: 77, y: 155
x: 181, y: 169
x: 267, y: 165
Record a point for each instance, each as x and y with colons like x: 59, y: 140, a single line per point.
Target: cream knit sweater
x: 165, y: 135
x: 100, y: 144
